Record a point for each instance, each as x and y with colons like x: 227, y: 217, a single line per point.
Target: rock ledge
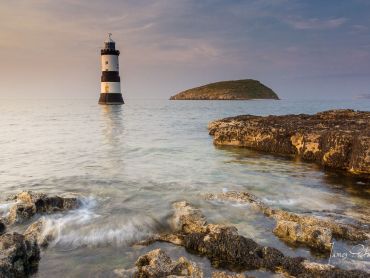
x: 337, y: 139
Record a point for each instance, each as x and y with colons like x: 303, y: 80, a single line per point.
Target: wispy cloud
x: 360, y: 28
x: 316, y: 23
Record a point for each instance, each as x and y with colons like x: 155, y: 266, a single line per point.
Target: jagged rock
x: 30, y: 203
x: 2, y: 227
x: 48, y: 204
x: 21, y: 212
x: 29, y: 197
x: 225, y: 248
x: 158, y: 264
x: 35, y: 233
x: 18, y: 256
x: 187, y: 218
x: 306, y: 269
x: 297, y: 228
x: 337, y: 138
x: 319, y: 238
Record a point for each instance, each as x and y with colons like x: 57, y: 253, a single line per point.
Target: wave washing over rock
x: 62, y: 222
x: 79, y: 228
x: 66, y: 227
x: 226, y: 249
x: 337, y: 139
x: 20, y: 253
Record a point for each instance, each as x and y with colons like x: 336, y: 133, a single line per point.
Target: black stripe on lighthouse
x: 109, y: 52
x: 110, y: 76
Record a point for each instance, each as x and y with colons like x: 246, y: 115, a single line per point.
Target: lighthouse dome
x: 109, y: 43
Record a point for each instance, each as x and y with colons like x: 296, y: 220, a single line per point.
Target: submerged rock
x: 158, y: 264
x: 35, y: 233
x: 225, y: 248
x: 311, y: 231
x: 30, y: 203
x: 337, y: 138
x: 18, y: 256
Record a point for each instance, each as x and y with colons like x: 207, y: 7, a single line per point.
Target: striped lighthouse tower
x: 110, y: 81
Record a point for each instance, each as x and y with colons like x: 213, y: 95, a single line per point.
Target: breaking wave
x: 84, y: 227
x: 4, y: 208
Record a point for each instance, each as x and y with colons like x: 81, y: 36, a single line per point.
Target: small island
x: 228, y: 90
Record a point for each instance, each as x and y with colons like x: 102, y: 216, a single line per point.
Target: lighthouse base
x: 111, y: 98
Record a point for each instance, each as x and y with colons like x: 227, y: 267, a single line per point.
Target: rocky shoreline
x: 20, y: 253
x: 230, y: 253
x: 301, y: 229
x: 338, y: 139
x: 226, y: 249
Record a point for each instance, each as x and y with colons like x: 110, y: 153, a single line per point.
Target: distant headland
x: 228, y: 90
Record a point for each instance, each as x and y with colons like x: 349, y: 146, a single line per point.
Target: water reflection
x: 112, y: 129
x: 112, y: 117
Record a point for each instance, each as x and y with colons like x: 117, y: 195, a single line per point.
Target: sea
x: 129, y: 163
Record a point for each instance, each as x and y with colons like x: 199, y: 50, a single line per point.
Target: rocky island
x: 337, y: 139
x: 228, y: 90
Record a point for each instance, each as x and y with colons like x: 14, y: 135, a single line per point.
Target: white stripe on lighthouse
x: 110, y: 87
x: 109, y: 62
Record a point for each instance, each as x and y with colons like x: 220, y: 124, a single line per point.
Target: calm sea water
x: 130, y: 162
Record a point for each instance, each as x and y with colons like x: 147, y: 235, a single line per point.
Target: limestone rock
x: 47, y: 204
x: 158, y: 264
x: 336, y: 138
x: 225, y: 248
x: 35, y: 233
x: 187, y: 218
x: 21, y: 212
x: 18, y: 256
x: 316, y: 237
x: 30, y: 203
x: 298, y: 228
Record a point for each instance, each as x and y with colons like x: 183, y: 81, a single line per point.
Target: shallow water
x: 129, y: 163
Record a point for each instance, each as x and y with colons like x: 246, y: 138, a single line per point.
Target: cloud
x: 315, y: 23
x: 362, y: 96
x: 360, y: 28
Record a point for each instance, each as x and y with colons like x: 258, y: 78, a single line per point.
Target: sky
x: 312, y: 49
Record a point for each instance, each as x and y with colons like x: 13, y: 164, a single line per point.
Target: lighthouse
x: 110, y: 92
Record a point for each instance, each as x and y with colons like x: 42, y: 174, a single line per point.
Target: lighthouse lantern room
x: 110, y: 92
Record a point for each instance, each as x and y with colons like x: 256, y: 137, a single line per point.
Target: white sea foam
x: 83, y: 227
x: 283, y: 202
x: 4, y: 209
x: 116, y: 235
